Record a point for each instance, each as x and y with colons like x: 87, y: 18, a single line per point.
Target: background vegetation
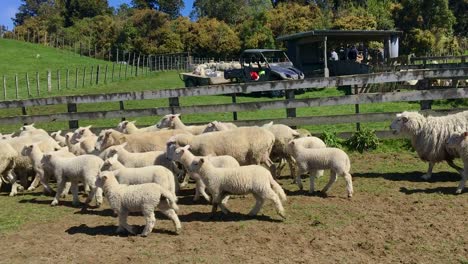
x: 221, y: 28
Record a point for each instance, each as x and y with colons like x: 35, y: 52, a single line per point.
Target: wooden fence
x: 289, y: 104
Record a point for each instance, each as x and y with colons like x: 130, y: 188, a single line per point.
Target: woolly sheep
x: 59, y: 138
x: 172, y: 121
x: 253, y: 179
x: 128, y: 127
x: 30, y: 130
x: 428, y: 136
x: 311, y: 160
x: 83, y: 168
x: 143, y: 198
x: 10, y: 161
x: 248, y: 145
x: 74, y: 148
x: 459, y: 142
x: 140, y: 142
x: 81, y: 132
x: 184, y: 156
x: 132, y: 176
x: 43, y: 173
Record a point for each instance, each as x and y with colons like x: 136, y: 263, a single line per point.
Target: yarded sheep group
x: 139, y: 169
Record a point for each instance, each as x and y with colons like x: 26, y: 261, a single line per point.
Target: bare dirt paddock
x: 393, y: 217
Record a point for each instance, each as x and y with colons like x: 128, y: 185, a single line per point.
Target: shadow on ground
x: 412, y: 176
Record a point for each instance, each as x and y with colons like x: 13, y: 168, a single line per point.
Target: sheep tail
x: 171, y: 198
x: 277, y: 189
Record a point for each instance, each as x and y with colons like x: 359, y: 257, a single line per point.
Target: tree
x: 255, y: 33
x: 354, y: 17
x: 79, y: 9
x: 223, y: 10
x: 170, y: 7
x: 28, y: 9
x: 460, y: 11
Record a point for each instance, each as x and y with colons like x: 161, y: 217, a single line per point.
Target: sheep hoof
x: 31, y: 188
x: 196, y: 198
x: 143, y: 235
x: 63, y: 195
x: 178, y: 231
x: 323, y: 194
x: 13, y: 194
x: 20, y: 188
x: 458, y: 191
x: 182, y: 185
x: 54, y: 203
x: 426, y: 176
x: 283, y: 215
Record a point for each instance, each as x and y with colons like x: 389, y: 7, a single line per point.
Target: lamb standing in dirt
x: 252, y: 179
x: 184, y: 156
x: 429, y: 134
x: 459, y: 142
x: 143, y: 198
x: 311, y: 160
x: 132, y: 176
x: 83, y: 168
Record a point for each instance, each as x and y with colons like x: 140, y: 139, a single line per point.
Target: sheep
x: 311, y: 160
x: 248, y: 145
x: 74, y: 148
x: 253, y: 179
x: 81, y: 132
x: 9, y: 162
x: 6, y: 136
x: 459, y: 142
x: 218, y: 126
x: 85, y: 168
x: 128, y: 127
x: 131, y: 176
x: 184, y: 156
x: 30, y: 130
x: 138, y: 160
x: 428, y: 136
x: 59, y: 138
x: 143, y: 198
x: 43, y: 172
x: 140, y: 142
x: 172, y: 121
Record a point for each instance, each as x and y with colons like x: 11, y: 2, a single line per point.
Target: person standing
x: 334, y: 55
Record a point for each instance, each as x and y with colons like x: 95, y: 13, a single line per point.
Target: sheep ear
x: 133, y: 122
x: 88, y: 127
x: 202, y: 160
x: 108, y: 132
x: 405, y: 119
x: 104, y: 177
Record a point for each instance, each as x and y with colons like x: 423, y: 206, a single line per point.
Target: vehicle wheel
x: 190, y: 83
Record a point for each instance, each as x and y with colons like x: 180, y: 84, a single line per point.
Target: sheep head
x: 407, y: 122
x: 105, y: 140
x: 196, y: 164
x: 28, y: 149
x: 168, y: 121
x: 110, y: 163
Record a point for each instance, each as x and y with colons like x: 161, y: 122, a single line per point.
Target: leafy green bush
x: 362, y: 140
x: 331, y: 139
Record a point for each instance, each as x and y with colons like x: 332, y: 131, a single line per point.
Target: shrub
x: 362, y: 140
x: 331, y: 139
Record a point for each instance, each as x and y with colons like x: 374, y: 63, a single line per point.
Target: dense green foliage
x: 222, y: 28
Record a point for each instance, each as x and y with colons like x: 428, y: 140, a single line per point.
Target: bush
x: 362, y: 140
x: 331, y: 139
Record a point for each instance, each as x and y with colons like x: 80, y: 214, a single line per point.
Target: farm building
x: 310, y: 51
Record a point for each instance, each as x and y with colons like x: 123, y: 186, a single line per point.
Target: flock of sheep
x: 139, y: 169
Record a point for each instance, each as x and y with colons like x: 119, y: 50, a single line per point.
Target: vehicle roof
x: 356, y: 34
x: 259, y: 50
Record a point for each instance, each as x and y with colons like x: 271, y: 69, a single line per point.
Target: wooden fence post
x: 425, y: 85
x: 126, y: 67
x: 290, y: 112
x: 173, y: 102
x: 122, y: 107
x: 58, y: 80
x: 28, y: 85
x: 23, y: 112
x: 49, y: 81
x: 105, y: 74
x: 71, y: 108
x: 38, y: 88
x: 120, y: 69
x: 84, y: 77
x: 91, y: 75
x: 137, y: 65
x: 76, y: 78
x: 16, y: 86
x: 68, y: 79
x: 98, y: 68
x: 113, y: 66
x: 234, y: 100
x: 4, y: 87
x: 356, y: 108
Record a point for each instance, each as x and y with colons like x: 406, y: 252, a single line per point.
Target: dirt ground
x: 394, y: 217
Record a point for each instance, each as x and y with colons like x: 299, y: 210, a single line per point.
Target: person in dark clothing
x: 352, y: 54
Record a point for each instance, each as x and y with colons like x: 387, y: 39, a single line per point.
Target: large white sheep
x: 43, y: 173
x: 429, y: 134
x: 131, y: 176
x: 253, y: 179
x: 139, y: 142
x: 184, y: 156
x: 248, y: 145
x: 311, y: 160
x: 459, y: 142
x: 172, y: 121
x: 143, y: 198
x: 128, y: 127
x: 83, y: 168
x: 10, y: 161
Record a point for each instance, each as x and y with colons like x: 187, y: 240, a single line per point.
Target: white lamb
x: 429, y: 134
x: 10, y: 161
x: 128, y: 127
x: 143, y: 198
x: 218, y: 126
x: 184, y: 156
x: 30, y: 130
x: 73, y: 147
x: 59, y: 138
x: 83, y: 168
x: 311, y: 160
x: 172, y: 121
x: 459, y: 142
x: 132, y: 176
x: 253, y: 179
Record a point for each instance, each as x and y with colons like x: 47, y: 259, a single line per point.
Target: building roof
x: 356, y: 34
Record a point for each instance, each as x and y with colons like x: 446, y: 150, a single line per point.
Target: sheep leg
x: 271, y: 195
x: 14, y: 188
x: 428, y: 175
x: 298, y: 179
x: 271, y: 165
x: 222, y: 203
x: 312, y: 176
x: 349, y: 184
x: 35, y: 182
x: 123, y: 225
x: 332, y: 180
x: 214, y: 207
x: 171, y: 214
x: 74, y: 189
x: 461, y: 186
x: 292, y: 167
x: 66, y: 190
x: 148, y: 213
x: 200, y: 188
x: 453, y: 165
x: 259, y: 201
x: 60, y: 186
x: 91, y: 195
x: 185, y: 179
